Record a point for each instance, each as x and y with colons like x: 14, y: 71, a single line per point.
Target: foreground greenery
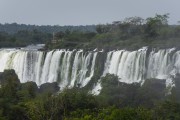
x: 117, y: 101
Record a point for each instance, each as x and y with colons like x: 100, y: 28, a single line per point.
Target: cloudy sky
x: 82, y: 12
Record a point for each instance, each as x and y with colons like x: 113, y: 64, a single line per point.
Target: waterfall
x: 76, y: 68
x: 128, y: 66
x: 68, y: 68
x: 65, y: 69
x: 87, y: 79
x: 54, y: 66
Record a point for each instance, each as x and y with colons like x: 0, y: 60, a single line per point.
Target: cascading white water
x: 46, y: 66
x: 163, y: 64
x: 160, y: 64
x: 76, y: 68
x: 68, y: 68
x: 38, y: 70
x: 65, y: 69
x: 96, y: 89
x: 54, y: 66
x: 136, y: 66
x: 128, y: 66
x: 87, y: 79
x: 84, y: 67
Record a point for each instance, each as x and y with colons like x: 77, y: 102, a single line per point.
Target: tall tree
x: 154, y: 24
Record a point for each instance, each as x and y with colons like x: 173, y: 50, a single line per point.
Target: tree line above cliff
x: 20, y: 35
x: 130, y: 33
x: 14, y: 28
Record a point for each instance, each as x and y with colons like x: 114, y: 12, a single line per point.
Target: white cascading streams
x: 18, y: 62
x: 6, y: 58
x: 76, y: 68
x: 163, y: 64
x: 87, y: 79
x: 54, y: 66
x: 68, y: 68
x: 65, y: 69
x: 84, y: 67
x: 46, y: 66
x: 97, y: 88
x: 176, y: 61
x: 113, y: 67
x: 128, y: 66
x: 38, y: 68
x: 160, y: 64
x: 107, y: 63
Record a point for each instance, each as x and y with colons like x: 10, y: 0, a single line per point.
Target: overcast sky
x: 82, y: 12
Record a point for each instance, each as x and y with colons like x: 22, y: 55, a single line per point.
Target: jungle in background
x: 130, y: 33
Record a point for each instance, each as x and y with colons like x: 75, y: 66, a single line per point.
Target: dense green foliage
x: 117, y: 101
x: 14, y: 28
x: 20, y: 35
x: 23, y: 38
x: 131, y: 33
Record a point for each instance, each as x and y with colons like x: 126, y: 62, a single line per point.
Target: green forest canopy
x: 117, y: 101
x: 130, y: 33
